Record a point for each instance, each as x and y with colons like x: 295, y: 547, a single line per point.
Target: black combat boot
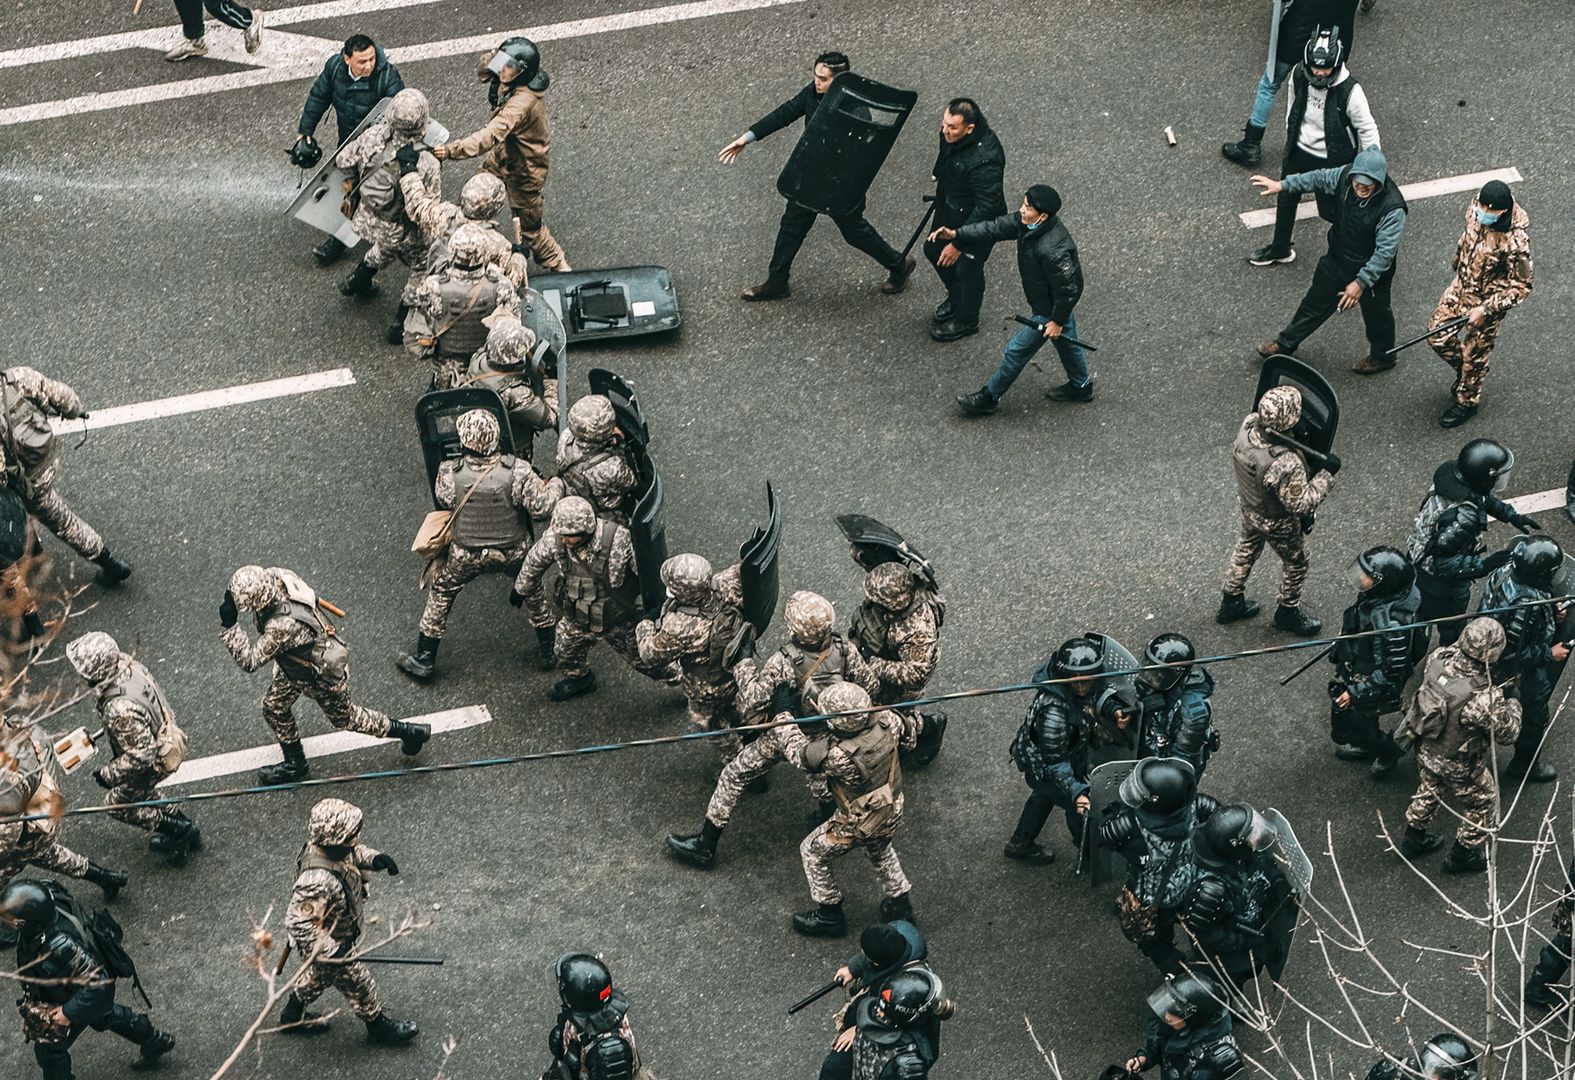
x: 1293, y: 620
x: 152, y: 1048
x: 1234, y: 607
x: 176, y: 838
x: 698, y: 849
x: 1030, y: 853
x: 1248, y: 150
x: 979, y: 403
x: 897, y: 279
x: 329, y: 251
x: 396, y: 329
x: 546, y: 640
x: 825, y: 920
x: 412, y: 737
x: 944, y: 311
x: 421, y: 663
x: 380, y: 1029
x: 1419, y: 841
x: 109, y: 882
x: 930, y: 736
x: 893, y: 908
x: 1456, y: 415
x: 953, y: 330
x: 112, y: 570
x: 293, y: 767
x: 360, y: 282
x: 1530, y: 768
x: 295, y: 1020
x: 1464, y: 860
x: 1552, y: 965
x: 564, y: 689
x: 32, y: 627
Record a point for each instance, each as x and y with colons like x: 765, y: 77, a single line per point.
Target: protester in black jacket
x: 969, y: 171
x: 798, y: 220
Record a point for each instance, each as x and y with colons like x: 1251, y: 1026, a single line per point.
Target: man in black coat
x: 798, y: 220
x: 969, y: 176
x: 352, y: 82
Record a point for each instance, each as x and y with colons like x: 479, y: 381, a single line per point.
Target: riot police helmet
x: 1483, y: 465
x: 1446, y: 1056
x: 1232, y: 834
x: 1172, y: 649
x: 28, y: 906
x: 1161, y: 786
x: 1079, y: 659
x: 1535, y: 559
x: 520, y: 54
x: 584, y: 983
x: 1389, y: 570
x: 1195, y: 998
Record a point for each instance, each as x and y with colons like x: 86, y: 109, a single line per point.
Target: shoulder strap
x: 463, y: 499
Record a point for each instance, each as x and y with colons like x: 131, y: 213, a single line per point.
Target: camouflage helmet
x: 255, y: 587
x: 810, y: 617
x: 408, y: 113
x: 1280, y: 408
x: 478, y: 432
x: 482, y: 197
x: 467, y: 248
x: 573, y: 516
x: 592, y: 420
x: 1482, y: 639
x: 334, y: 823
x: 890, y: 585
x: 96, y: 656
x: 687, y: 577
x: 845, y: 697
x: 509, y: 344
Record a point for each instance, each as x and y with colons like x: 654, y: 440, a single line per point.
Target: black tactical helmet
x: 1161, y: 786
x: 27, y: 905
x: 584, y: 983
x: 1232, y: 834
x: 1391, y: 571
x: 1197, y: 999
x: 1534, y: 559
x: 1167, y: 649
x: 1323, y: 50
x: 520, y: 53
x: 902, y: 1001
x: 1078, y: 657
x: 1447, y: 1057
x: 1483, y: 465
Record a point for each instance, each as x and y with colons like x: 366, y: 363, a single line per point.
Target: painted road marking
x: 204, y: 400
x: 316, y: 746
x: 1552, y: 499
x: 1425, y: 189
x: 292, y: 68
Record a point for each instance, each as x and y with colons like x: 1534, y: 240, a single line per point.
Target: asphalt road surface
x: 147, y: 255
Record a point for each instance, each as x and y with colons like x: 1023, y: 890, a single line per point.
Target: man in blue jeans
x: 1053, y: 283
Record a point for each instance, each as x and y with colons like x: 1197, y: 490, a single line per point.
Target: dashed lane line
x: 204, y: 400
x: 1552, y: 499
x: 1423, y: 189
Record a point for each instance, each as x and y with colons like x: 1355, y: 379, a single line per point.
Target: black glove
x: 407, y: 157
x: 1331, y: 462
x: 1495, y: 560
x: 781, y: 699
x: 101, y: 777
x: 385, y: 861
x: 229, y: 614
x: 516, y: 598
x: 1525, y: 524
x: 746, y: 646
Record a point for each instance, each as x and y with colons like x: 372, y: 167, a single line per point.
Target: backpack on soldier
x: 379, y: 188
x: 101, y: 933
x: 1439, y: 698
x: 29, y: 438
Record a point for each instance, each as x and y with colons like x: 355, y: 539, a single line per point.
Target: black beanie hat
x: 883, y: 944
x: 1495, y: 195
x: 1045, y: 199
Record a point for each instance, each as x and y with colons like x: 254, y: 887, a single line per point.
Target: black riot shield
x: 541, y: 316
x: 758, y: 566
x: 435, y: 416
x: 1320, y: 404
x: 620, y: 302
x: 648, y: 532
x: 1118, y: 690
x: 875, y: 543
x: 1104, y: 795
x: 844, y: 145
x: 1292, y: 875
x: 626, y: 407
x: 14, y: 538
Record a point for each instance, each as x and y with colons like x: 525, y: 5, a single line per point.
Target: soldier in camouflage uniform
x: 897, y: 629
x: 309, y: 658
x: 1492, y: 274
x: 30, y: 461
x: 591, y: 463
x: 1456, y: 714
x: 146, y: 742
x: 858, y: 757
x: 454, y: 309
x: 1277, y: 501
x: 480, y: 201
x: 324, y: 921
x: 598, y: 594
x: 494, y: 497
x: 504, y: 365
x: 700, y: 620
x: 381, y: 216
x: 1553, y: 963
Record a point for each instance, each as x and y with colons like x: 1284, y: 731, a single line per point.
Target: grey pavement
x: 147, y: 255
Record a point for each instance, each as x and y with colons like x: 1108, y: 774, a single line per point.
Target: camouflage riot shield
x: 624, y: 301
x: 844, y: 145
x: 1295, y: 876
x: 626, y: 407
x: 1118, y: 691
x: 437, y: 412
x: 1105, y: 864
x: 875, y: 543
x: 648, y: 532
x: 1320, y: 404
x: 758, y: 566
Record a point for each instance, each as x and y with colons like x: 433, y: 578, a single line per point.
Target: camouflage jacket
x: 688, y: 633
x: 901, y: 648
x: 51, y: 397
x: 281, y: 634
x: 1493, y: 268
x: 438, y: 220
x: 599, y: 475
x: 319, y: 917
x: 1287, y: 476
x: 1460, y: 749
x: 757, y: 681
x: 132, y: 734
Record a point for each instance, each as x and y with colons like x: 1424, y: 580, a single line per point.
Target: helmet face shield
x: 1260, y: 835
x: 1166, y: 1000
x: 1501, y: 481
x: 501, y: 62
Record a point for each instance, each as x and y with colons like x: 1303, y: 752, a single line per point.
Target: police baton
x: 1318, y: 456
x: 1325, y: 651
x: 816, y: 996
x: 1063, y: 336
x: 929, y: 211
x: 1443, y: 327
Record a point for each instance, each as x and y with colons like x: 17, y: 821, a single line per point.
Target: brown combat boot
x: 1368, y: 366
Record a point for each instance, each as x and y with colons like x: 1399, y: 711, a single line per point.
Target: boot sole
x: 1273, y: 262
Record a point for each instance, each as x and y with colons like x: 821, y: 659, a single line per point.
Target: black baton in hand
x: 816, y: 996
x: 923, y: 221
x: 1452, y: 324
x: 1026, y: 321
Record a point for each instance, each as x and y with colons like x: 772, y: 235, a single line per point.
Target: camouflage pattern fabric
x: 1493, y: 271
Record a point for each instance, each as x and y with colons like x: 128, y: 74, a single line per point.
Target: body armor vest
x: 489, y: 518
x: 704, y: 660
x: 584, y: 594
x: 1440, y: 702
x: 873, y: 752
x: 325, y: 655
x: 575, y: 476
x: 30, y: 445
x: 352, y: 881
x: 465, y: 303
x: 1252, y: 464
x: 814, y: 671
x: 135, y: 682
x: 523, y: 423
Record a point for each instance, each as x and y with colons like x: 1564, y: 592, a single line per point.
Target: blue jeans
x: 1267, y: 88
x: 1028, y: 341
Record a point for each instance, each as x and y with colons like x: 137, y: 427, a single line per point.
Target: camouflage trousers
x: 1472, y: 789
x: 47, y: 505
x: 331, y: 697
x: 354, y: 981
x: 715, y: 708
x: 407, y: 247
x: 748, y: 765
x: 1284, y: 535
x: 458, y: 567
x: 571, y: 651
x: 38, y: 847
x: 832, y: 840
x: 138, y: 787
x: 1469, y: 358
x: 529, y: 213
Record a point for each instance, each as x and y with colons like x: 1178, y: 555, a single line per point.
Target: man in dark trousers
x: 1053, y: 283
x: 1359, y: 267
x: 798, y: 220
x: 352, y: 82
x: 247, y: 20
x: 1299, y: 19
x: 969, y: 172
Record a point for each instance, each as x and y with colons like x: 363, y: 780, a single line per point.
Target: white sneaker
x: 187, y: 49
x: 254, y: 31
